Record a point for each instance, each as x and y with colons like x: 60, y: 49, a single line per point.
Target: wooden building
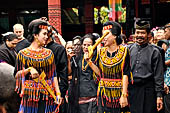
x: 76, y: 17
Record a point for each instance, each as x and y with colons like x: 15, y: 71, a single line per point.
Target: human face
x: 19, y: 31
x: 160, y: 34
x: 86, y: 43
x: 109, y: 39
x: 42, y: 37
x: 69, y: 46
x: 164, y: 46
x: 12, y: 44
x: 167, y: 33
x: 141, y: 36
x: 76, y: 45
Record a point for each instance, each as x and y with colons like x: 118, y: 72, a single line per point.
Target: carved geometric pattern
x: 54, y: 14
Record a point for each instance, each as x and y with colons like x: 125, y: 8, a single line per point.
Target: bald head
x: 18, y: 30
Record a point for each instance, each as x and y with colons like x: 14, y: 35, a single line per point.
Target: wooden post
x: 54, y: 14
x: 136, y: 8
x: 89, y: 16
x: 12, y: 19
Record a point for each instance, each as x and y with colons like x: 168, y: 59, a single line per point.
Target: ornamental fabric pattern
x: 110, y: 84
x: 167, y: 72
x: 54, y: 14
x: 30, y: 91
x: 117, y: 12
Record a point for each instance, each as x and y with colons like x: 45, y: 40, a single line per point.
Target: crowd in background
x: 88, y: 74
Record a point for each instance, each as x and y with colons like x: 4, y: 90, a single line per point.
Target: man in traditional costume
x: 145, y: 94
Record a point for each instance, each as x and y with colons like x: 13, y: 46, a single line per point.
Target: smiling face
x: 86, y: 43
x: 167, y: 33
x: 69, y: 46
x: 42, y: 37
x: 76, y: 45
x: 109, y: 39
x: 141, y: 36
x: 12, y: 44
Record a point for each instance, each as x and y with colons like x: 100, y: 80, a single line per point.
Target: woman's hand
x: 70, y: 54
x: 123, y: 101
x: 166, y: 88
x: 90, y: 51
x: 58, y: 100
x: 34, y: 72
x: 86, y: 56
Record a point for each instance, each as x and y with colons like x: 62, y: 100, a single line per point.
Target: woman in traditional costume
x: 114, y: 66
x: 34, y: 63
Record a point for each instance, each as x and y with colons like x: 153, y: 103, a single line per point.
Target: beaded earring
x: 38, y: 42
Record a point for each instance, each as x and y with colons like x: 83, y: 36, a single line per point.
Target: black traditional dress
x: 113, y: 68
x: 82, y: 91
x: 7, y: 54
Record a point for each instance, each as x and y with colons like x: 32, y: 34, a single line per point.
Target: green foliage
x: 104, y: 12
x: 96, y: 16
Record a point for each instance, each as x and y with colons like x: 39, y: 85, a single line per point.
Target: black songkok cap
x: 142, y: 24
x: 113, y: 26
x: 35, y: 24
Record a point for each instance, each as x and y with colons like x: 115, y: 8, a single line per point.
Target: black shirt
x: 7, y: 54
x: 22, y: 44
x: 146, y: 65
x: 60, y: 57
x: 88, y: 87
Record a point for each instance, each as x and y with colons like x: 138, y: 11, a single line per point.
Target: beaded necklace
x: 111, y: 61
x: 84, y: 68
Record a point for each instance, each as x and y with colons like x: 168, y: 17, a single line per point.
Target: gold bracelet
x: 58, y: 93
x: 90, y: 63
x: 124, y: 95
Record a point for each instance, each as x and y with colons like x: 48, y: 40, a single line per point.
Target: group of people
x: 89, y: 74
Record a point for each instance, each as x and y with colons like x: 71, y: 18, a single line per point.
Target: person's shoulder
x: 23, y: 52
x: 56, y: 45
x: 103, y: 49
x: 155, y: 47
x: 47, y: 50
x: 3, y: 46
x: 131, y: 45
x: 26, y: 41
x: 59, y: 45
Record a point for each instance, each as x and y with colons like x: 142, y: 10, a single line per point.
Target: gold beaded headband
x: 107, y: 27
x: 43, y: 26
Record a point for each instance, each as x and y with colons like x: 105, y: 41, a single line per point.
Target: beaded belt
x: 116, y: 83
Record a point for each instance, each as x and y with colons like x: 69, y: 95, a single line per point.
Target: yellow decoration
x: 41, y: 79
